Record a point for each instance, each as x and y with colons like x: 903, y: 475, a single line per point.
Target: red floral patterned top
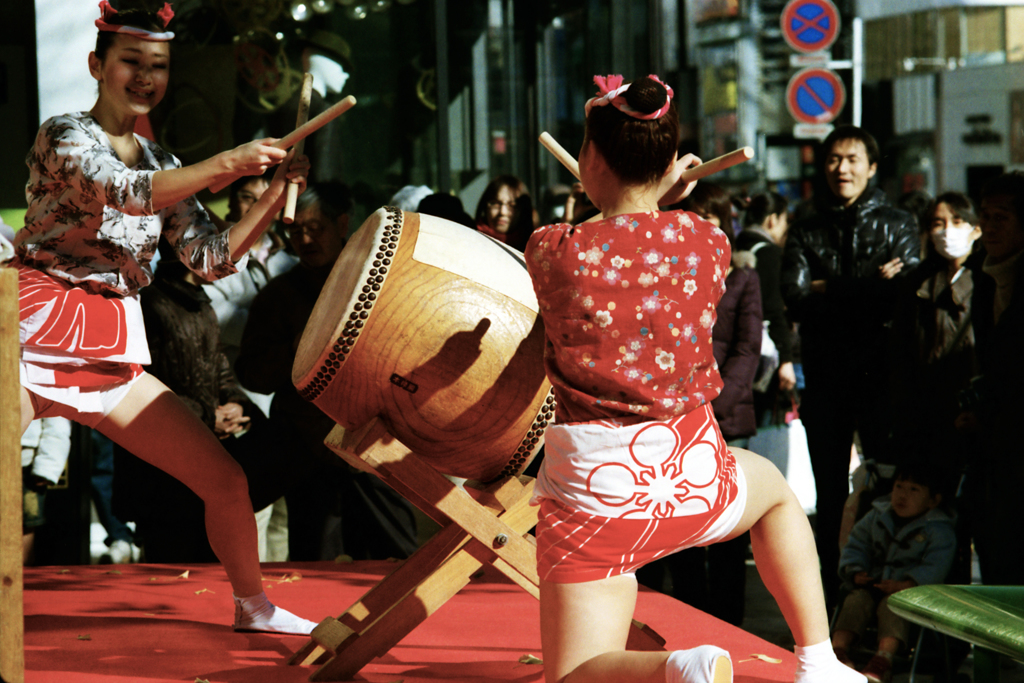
x: 628, y: 305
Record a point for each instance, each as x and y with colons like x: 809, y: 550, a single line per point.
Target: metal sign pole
x: 858, y: 69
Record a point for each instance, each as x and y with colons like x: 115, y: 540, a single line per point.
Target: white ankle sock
x: 698, y: 665
x: 257, y: 613
x: 818, y: 664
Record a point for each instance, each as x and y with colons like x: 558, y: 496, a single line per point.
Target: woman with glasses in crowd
x: 505, y: 211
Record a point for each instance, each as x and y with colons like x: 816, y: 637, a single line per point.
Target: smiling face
x: 848, y: 170
x: 133, y: 75
x: 1002, y: 231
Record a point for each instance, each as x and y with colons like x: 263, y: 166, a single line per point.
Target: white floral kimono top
x: 90, y: 218
x: 90, y: 234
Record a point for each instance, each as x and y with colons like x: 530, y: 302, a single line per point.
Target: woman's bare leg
x: 153, y: 424
x: 784, y: 549
x: 583, y: 631
x: 787, y: 560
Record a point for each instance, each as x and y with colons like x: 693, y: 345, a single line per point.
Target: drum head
x: 361, y: 264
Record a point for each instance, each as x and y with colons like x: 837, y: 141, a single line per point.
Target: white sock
x: 698, y: 665
x: 257, y: 613
x: 818, y: 664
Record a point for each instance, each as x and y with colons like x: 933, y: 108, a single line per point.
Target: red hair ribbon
x: 166, y: 14
x: 107, y: 13
x: 612, y: 91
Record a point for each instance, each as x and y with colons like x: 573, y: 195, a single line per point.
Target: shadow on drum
x: 457, y: 355
x: 521, y: 366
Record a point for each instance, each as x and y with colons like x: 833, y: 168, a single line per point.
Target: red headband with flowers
x: 612, y: 91
x: 107, y: 12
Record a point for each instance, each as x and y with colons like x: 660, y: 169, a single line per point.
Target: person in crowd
x: 99, y: 199
x: 446, y: 206
x: 578, y: 207
x: 713, y: 578
x: 635, y: 466
x: 120, y: 540
x: 505, y: 211
x: 905, y: 540
x: 933, y: 339
x: 552, y: 205
x: 840, y: 279
x: 231, y: 298
x: 408, y: 198
x: 765, y: 224
x: 375, y: 522
x: 994, y: 403
x: 45, y: 447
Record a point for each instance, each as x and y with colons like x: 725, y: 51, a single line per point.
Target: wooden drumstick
x: 316, y: 123
x: 560, y: 153
x: 304, y: 131
x: 717, y: 164
x: 696, y: 173
x: 300, y: 119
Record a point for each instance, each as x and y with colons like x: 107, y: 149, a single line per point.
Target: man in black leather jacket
x: 839, y: 280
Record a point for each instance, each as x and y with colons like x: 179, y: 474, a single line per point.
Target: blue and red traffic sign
x: 810, y: 25
x: 815, y: 96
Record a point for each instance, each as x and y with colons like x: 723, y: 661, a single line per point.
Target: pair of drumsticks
x: 689, y: 175
x: 305, y: 127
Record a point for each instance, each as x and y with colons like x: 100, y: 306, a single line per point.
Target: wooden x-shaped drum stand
x: 479, y: 525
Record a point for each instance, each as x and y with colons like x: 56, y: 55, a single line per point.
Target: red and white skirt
x: 78, y: 349
x: 616, y: 497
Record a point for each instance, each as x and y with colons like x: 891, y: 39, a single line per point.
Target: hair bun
x: 646, y: 95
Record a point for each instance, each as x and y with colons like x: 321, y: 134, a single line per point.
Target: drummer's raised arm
x: 243, y: 234
x: 252, y: 158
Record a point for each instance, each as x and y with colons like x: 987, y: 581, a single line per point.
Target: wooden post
x: 12, y: 618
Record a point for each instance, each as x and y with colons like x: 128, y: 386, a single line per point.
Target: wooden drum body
x: 433, y: 328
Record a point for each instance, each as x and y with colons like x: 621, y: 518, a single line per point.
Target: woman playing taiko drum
x: 635, y: 466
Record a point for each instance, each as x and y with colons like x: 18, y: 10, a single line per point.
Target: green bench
x: 989, y: 617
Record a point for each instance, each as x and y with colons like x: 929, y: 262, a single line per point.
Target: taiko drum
x: 433, y: 328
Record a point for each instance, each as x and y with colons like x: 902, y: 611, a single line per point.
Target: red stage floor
x: 109, y: 624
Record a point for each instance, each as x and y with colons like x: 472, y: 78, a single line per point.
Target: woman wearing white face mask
x: 953, y: 228
x: 950, y: 227
x: 933, y: 336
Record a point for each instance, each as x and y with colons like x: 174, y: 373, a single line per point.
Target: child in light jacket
x: 905, y: 540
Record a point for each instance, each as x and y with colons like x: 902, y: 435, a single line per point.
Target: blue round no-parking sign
x: 810, y: 25
x: 815, y: 96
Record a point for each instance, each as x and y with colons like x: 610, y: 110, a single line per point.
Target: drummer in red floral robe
x: 635, y: 467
